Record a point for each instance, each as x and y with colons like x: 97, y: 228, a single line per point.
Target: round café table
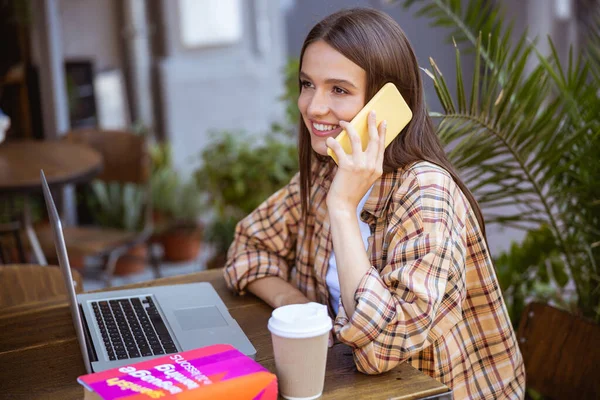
x: 63, y: 163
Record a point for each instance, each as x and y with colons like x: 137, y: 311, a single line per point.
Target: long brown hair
x: 375, y: 42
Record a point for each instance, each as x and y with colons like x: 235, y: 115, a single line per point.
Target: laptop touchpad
x: 199, y: 318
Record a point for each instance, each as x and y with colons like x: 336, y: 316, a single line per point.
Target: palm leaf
x: 519, y: 134
x: 468, y: 21
x: 497, y: 139
x: 577, y: 181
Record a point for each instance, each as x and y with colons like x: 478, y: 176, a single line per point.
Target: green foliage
x: 526, y: 134
x: 178, y: 201
x: 161, y: 155
x: 465, y: 20
x: 239, y: 173
x: 220, y: 233
x: 533, y: 270
x: 115, y: 205
x: 122, y: 206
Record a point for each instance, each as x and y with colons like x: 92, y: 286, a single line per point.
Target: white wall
x: 90, y: 29
x: 227, y: 87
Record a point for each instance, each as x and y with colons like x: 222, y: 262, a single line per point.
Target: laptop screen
x: 63, y: 261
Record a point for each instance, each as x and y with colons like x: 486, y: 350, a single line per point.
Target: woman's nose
x: 318, y: 105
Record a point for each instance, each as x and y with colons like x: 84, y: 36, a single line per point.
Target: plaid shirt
x: 431, y: 297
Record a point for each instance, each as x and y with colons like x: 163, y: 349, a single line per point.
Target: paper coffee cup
x: 300, y: 334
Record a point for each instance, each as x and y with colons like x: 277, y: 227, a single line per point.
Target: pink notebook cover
x: 212, y: 372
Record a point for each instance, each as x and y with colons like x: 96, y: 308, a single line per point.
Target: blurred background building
x: 186, y: 70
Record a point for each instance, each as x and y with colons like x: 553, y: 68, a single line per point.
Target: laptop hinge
x: 88, y: 338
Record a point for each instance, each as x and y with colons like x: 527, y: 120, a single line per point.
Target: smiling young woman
x: 390, y: 239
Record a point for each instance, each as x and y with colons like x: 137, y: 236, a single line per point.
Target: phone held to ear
x: 389, y: 105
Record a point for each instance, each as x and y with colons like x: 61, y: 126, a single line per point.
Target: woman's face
x: 333, y: 90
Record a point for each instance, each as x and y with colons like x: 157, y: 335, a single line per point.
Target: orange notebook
x: 212, y: 372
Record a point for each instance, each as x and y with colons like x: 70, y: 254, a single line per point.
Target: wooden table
x: 62, y: 162
x: 40, y: 358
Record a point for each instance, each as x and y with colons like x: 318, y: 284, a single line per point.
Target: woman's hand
x: 357, y: 171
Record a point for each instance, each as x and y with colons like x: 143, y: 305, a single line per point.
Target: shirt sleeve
x: 417, y: 296
x: 265, y: 241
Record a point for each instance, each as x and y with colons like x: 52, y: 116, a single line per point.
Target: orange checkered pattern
x: 431, y: 297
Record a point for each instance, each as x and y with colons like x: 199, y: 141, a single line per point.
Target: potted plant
x: 177, y: 205
x: 120, y: 206
x: 526, y: 134
x: 238, y: 172
x: 528, y: 138
x: 220, y: 235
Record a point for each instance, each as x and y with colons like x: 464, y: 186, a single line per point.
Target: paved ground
x: 93, y: 279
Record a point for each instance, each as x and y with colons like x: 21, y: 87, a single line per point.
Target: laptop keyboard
x: 132, y: 328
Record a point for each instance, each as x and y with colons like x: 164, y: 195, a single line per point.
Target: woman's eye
x: 339, y: 90
x: 305, y: 84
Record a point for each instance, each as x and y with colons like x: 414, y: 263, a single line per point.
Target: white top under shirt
x: 333, y: 283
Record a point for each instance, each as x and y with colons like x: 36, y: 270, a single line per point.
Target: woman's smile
x: 324, y: 129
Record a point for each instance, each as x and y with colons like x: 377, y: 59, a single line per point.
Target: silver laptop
x: 121, y: 327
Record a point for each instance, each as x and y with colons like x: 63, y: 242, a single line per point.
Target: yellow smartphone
x: 389, y: 105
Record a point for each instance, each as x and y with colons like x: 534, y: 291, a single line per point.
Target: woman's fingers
x: 373, y: 145
x: 381, y: 142
x: 372, y: 157
x: 354, y: 138
x: 337, y: 148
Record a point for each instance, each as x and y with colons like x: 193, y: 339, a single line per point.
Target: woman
x: 390, y: 239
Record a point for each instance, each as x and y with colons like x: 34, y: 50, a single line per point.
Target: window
x: 210, y: 22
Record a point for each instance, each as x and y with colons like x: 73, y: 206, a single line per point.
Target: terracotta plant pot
x: 132, y: 262
x: 181, y: 244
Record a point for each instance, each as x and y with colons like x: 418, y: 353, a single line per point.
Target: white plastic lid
x: 298, y: 321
